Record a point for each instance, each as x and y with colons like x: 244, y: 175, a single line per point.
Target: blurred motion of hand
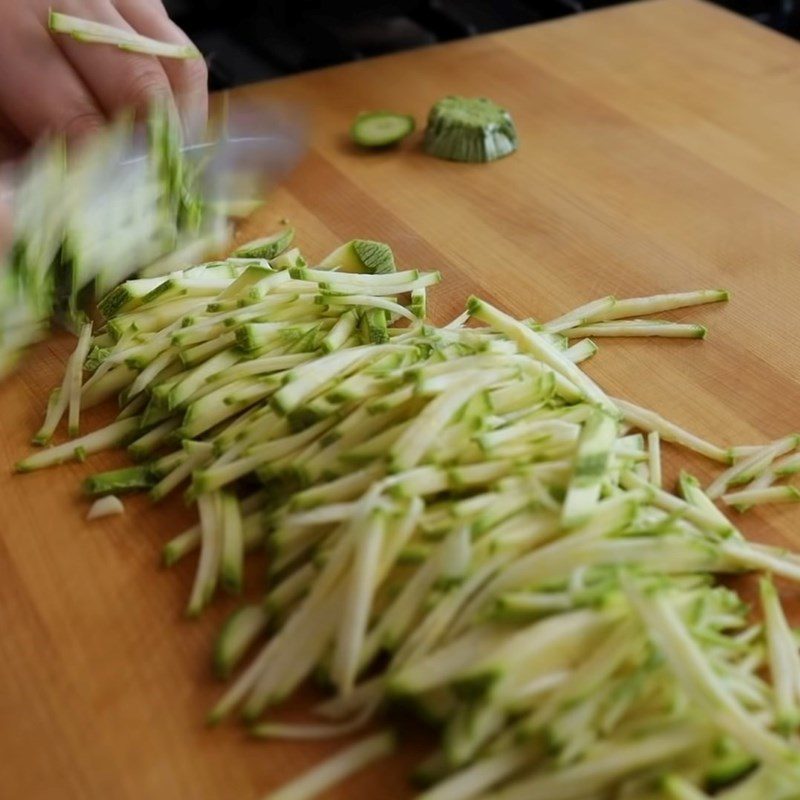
x: 57, y: 84
x: 5, y: 219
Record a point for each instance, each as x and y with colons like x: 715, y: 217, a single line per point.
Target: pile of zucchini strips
x: 459, y: 521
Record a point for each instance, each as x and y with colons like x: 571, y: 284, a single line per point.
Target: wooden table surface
x: 659, y: 151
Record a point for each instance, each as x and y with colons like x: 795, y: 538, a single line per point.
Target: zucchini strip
x: 210, y: 530
x: 784, y: 658
x: 670, y: 432
x: 639, y: 327
x: 327, y: 774
x: 85, y: 30
x: 658, y: 303
x: 314, y: 732
x: 581, y: 315
x: 758, y: 461
x: 581, y: 351
x: 654, y: 457
x: 113, y: 435
x: 76, y: 378
x: 751, y: 497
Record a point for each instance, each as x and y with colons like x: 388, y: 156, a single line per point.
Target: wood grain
x: 658, y: 153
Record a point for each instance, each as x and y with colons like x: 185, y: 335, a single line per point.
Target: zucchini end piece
x: 469, y: 129
x: 267, y: 247
x: 361, y: 256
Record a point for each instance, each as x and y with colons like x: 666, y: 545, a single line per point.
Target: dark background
x: 251, y: 40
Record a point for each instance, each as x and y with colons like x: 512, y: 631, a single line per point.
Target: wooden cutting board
x: 659, y: 151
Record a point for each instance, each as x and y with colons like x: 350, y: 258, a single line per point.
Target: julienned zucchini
x: 457, y: 517
x: 472, y: 129
x: 381, y: 128
x: 236, y: 636
x: 128, y: 479
x: 92, y: 32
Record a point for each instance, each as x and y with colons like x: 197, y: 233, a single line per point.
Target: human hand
x: 57, y: 84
